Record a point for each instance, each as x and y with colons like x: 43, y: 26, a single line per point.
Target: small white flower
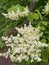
x: 39, y: 59
x: 4, y: 14
x: 5, y: 38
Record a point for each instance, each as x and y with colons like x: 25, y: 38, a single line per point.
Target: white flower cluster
x: 18, y: 14
x: 26, y: 45
x: 46, y: 10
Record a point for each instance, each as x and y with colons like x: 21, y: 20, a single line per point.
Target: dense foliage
x: 36, y: 17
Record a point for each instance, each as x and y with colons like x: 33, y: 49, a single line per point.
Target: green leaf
x: 20, y: 7
x: 42, y: 28
x: 38, y: 25
x: 40, y: 15
x: 30, y: 17
x: 14, y: 8
x: 33, y: 16
x: 44, y: 40
x: 36, y: 16
x: 44, y: 55
x: 44, y: 23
